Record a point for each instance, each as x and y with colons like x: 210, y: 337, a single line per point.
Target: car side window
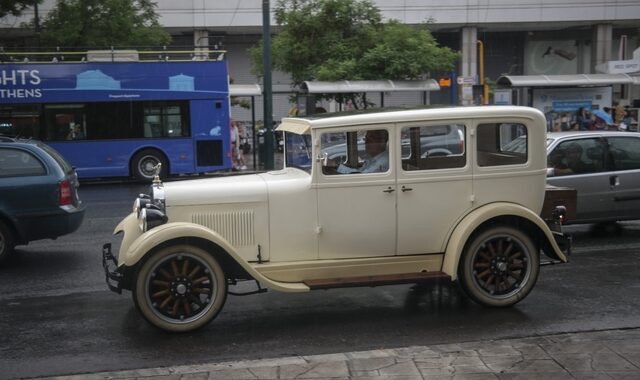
x: 362, y: 151
x: 502, y: 144
x: 581, y: 156
x: 19, y: 163
x: 433, y: 147
x: 624, y: 153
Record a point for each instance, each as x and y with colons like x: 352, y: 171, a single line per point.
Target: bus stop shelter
x: 523, y: 85
x: 560, y: 96
x: 365, y: 86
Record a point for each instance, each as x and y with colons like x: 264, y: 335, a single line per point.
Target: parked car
x: 604, y: 168
x: 472, y: 216
x: 38, y: 194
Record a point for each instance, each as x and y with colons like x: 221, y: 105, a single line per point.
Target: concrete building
x: 520, y: 37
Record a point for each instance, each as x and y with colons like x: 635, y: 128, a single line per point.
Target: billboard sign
x: 113, y: 81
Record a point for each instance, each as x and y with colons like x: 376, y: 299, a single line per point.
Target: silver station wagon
x: 391, y: 208
x: 603, y: 167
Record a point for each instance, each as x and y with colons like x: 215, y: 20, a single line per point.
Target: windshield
x: 298, y: 151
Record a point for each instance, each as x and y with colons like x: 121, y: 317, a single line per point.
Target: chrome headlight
x: 140, y: 203
x: 157, y: 192
x: 151, y: 217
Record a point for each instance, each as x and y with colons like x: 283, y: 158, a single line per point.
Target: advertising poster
x: 561, y: 104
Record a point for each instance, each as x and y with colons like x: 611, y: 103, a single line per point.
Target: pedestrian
x: 583, y: 118
x: 241, y: 141
x: 237, y: 157
x: 235, y: 141
x: 627, y: 121
x: 618, y: 113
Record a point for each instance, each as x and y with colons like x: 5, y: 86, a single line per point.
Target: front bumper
x: 114, y: 278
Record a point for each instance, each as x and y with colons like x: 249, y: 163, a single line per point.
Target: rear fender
x: 479, y: 217
x: 145, y: 243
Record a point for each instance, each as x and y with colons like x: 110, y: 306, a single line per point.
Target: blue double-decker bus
x: 122, y: 118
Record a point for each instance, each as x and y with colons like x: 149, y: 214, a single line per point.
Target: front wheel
x: 499, y: 267
x: 180, y: 288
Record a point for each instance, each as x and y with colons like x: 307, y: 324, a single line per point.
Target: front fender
x: 476, y: 218
x: 131, y: 252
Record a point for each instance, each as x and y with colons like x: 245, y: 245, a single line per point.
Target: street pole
x: 267, y: 94
x: 485, y: 88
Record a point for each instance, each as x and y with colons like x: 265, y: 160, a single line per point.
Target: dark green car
x: 38, y: 194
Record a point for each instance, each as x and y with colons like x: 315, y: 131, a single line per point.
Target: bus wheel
x: 143, y: 163
x: 180, y: 288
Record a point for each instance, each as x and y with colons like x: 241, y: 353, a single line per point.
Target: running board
x: 387, y: 279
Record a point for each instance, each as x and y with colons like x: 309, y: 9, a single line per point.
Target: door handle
x: 389, y: 190
x: 406, y: 189
x: 614, y: 181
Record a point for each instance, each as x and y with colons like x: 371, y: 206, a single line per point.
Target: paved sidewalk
x: 612, y: 354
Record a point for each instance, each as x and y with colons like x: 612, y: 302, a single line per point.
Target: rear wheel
x: 6, y: 241
x: 180, y: 288
x: 144, y: 162
x: 499, y: 267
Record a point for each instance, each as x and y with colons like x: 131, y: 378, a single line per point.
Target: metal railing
x: 113, y: 55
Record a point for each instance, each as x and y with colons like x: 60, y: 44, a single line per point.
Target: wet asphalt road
x: 57, y: 317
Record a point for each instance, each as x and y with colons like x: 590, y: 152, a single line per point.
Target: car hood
x: 231, y: 189
x: 249, y: 188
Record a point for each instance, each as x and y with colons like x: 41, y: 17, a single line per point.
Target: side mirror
x: 551, y: 172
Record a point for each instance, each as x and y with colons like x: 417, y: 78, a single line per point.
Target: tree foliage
x: 15, y: 8
x: 333, y: 40
x: 103, y: 23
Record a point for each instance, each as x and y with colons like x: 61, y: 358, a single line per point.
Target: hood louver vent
x: 235, y: 226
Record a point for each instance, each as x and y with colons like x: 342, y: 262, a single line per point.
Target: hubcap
x: 180, y: 288
x: 147, y: 164
x: 501, y: 266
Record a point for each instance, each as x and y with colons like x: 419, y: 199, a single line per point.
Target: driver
x: 376, y: 158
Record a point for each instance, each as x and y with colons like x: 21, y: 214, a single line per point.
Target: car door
x: 434, y: 184
x: 624, y: 180
x: 356, y: 209
x: 579, y: 163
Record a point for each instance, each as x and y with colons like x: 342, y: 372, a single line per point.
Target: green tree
x: 15, y: 8
x: 403, y: 52
x: 103, y: 23
x: 346, y: 40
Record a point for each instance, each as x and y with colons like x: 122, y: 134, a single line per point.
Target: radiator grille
x: 235, y: 226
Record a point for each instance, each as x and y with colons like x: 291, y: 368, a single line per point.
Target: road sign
x: 467, y: 80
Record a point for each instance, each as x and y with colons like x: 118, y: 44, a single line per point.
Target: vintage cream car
x: 393, y: 208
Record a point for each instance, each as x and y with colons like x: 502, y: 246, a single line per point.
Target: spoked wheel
x: 499, y: 267
x: 180, y: 288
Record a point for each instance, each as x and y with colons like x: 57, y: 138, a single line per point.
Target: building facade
x: 519, y: 37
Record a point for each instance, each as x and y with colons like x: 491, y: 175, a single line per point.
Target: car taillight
x: 65, y: 193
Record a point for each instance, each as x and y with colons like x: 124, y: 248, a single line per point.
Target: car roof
x: 54, y: 160
x: 571, y: 134
x: 302, y: 125
x: 15, y: 140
